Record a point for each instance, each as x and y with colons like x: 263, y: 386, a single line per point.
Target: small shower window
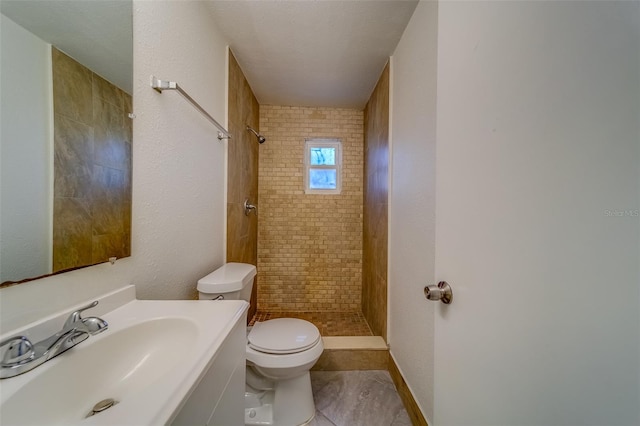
x: 323, y: 158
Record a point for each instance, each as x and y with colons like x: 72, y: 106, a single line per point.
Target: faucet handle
x: 95, y: 325
x: 75, y: 316
x: 20, y: 350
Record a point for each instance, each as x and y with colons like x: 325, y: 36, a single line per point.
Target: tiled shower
x: 318, y: 256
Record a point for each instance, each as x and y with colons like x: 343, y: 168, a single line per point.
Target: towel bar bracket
x: 160, y: 85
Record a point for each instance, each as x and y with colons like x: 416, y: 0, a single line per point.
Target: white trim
x: 323, y: 143
x: 51, y: 160
x: 390, y: 213
x: 225, y: 215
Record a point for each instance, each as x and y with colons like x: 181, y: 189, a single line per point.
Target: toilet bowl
x: 279, y: 354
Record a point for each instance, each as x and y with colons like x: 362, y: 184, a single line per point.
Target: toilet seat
x: 283, y: 336
x: 295, y: 361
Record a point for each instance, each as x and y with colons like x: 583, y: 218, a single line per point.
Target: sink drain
x: 101, y: 406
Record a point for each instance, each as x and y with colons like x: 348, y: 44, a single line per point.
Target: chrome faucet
x: 21, y: 355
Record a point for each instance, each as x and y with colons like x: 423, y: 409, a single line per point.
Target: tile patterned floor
x: 356, y: 398
x: 329, y: 323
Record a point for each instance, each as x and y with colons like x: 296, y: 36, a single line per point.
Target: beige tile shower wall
x: 242, y: 175
x: 376, y: 171
x: 309, y: 246
x: 92, y: 166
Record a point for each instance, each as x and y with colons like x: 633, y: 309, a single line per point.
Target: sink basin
x: 149, y: 360
x: 121, y: 364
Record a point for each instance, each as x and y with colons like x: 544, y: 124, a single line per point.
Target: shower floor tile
x: 329, y: 323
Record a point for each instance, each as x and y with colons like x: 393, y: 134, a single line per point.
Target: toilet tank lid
x: 229, y: 277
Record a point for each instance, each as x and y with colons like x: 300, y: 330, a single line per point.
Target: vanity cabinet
x: 218, y: 399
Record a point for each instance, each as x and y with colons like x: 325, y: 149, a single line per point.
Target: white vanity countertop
x: 149, y: 360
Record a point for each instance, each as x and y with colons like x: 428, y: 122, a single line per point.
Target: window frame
x: 310, y: 143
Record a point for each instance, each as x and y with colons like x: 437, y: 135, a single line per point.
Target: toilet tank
x: 232, y: 281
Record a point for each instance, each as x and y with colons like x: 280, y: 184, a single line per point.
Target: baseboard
x: 416, y: 416
x: 353, y: 353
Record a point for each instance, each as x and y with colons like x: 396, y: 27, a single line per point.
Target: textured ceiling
x: 313, y: 53
x: 293, y: 52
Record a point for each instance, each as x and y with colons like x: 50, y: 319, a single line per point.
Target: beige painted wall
x: 309, y: 246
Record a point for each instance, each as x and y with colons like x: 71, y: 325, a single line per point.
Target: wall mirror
x: 65, y: 148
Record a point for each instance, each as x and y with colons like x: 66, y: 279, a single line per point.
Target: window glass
x: 322, y: 161
x: 322, y: 179
x: 323, y: 156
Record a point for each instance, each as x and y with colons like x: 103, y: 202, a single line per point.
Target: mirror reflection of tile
x: 92, y: 166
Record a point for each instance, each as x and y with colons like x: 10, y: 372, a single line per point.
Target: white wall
x: 412, y: 203
x: 178, y: 163
x: 179, y: 172
x: 26, y: 98
x: 537, y: 183
x: 538, y: 146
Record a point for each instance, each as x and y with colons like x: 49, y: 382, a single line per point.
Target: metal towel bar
x: 160, y: 85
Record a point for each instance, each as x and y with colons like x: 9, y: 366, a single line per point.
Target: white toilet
x: 279, y: 352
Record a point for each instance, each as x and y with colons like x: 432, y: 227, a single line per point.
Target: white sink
x: 148, y: 361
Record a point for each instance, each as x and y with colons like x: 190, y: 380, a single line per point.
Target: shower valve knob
x: 441, y: 292
x: 248, y: 208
